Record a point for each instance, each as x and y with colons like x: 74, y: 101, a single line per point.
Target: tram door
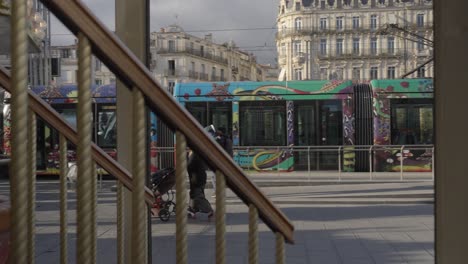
x: 218, y: 114
x: 318, y: 123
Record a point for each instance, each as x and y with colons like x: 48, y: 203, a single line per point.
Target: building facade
x: 66, y: 60
x: 177, y: 56
x: 354, y: 39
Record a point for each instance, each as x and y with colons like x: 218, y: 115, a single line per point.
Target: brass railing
x: 95, y: 38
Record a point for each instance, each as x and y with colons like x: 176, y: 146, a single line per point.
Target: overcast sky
x: 252, y: 20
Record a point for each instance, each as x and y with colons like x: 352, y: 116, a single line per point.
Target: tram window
x: 217, y: 113
x: 262, y: 123
x: 412, y: 122
x: 106, y: 127
x: 198, y: 111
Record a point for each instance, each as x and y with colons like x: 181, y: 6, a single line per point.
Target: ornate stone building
x: 354, y: 39
x: 177, y: 56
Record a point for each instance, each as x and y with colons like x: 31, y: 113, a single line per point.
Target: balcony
x: 204, y: 76
x: 365, y: 54
x: 171, y: 72
x: 193, y: 74
x: 194, y: 52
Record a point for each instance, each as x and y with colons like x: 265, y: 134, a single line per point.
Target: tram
x: 286, y: 126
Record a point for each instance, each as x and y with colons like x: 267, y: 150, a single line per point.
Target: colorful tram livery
x: 270, y: 121
x: 63, y: 99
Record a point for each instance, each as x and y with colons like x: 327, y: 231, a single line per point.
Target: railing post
x: 86, y: 207
x: 220, y: 218
x: 19, y: 131
x: 253, y: 234
x: 401, y: 162
x: 280, y: 254
x: 120, y: 224
x: 32, y: 186
x: 63, y: 199
x: 181, y: 198
x: 139, y: 209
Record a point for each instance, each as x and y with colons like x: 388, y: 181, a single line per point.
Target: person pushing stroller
x: 196, y: 169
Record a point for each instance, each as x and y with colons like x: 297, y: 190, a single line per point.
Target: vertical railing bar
x: 19, y: 131
x: 339, y: 163
x: 248, y: 166
x: 63, y: 199
x: 220, y: 218
x: 139, y: 209
x: 308, y: 162
x: 32, y: 186
x: 181, y: 198
x: 86, y: 236
x: 94, y: 211
x: 433, y: 163
x: 401, y: 162
x: 278, y: 160
x: 370, y: 163
x: 120, y: 224
x: 280, y: 256
x: 253, y: 234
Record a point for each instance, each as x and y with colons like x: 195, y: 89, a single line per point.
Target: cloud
x: 194, y: 16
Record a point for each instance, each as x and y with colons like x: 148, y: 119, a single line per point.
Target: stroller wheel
x: 169, y: 206
x: 164, y: 215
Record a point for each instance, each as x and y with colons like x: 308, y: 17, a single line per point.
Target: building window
x: 373, y: 46
x: 339, y: 74
x: 339, y: 46
x: 202, y: 51
x: 192, y: 66
x: 347, y: 2
x: 98, y: 65
x: 355, y: 22
x: 323, y: 47
x: 191, y: 46
x: 373, y: 22
x: 391, y: 45
x: 298, y: 6
x: 356, y: 73
x: 298, y: 23
x: 356, y: 46
x: 213, y: 73
x: 65, y: 53
x: 221, y: 73
x: 171, y: 67
x: 374, y: 73
x: 322, y: 4
x: 382, y: 2
x: 297, y: 47
x: 171, y: 45
x: 391, y: 72
x: 323, y: 23
x: 283, y: 48
x: 339, y: 23
x: 203, y: 68
x: 420, y: 20
x: 98, y: 82
x: 298, y: 74
x: 420, y: 45
x: 422, y: 72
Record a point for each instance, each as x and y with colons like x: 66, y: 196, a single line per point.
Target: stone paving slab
x: 372, y: 232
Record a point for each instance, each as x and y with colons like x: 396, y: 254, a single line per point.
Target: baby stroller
x: 162, y: 183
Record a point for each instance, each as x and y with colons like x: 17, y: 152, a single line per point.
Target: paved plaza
x: 356, y: 222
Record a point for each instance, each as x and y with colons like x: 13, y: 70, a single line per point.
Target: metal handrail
x: 79, y: 19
